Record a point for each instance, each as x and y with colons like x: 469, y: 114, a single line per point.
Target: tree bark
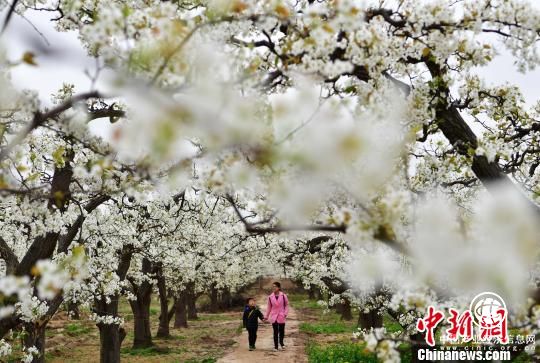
x: 344, y: 309
x: 35, y: 332
x: 374, y: 317
x: 9, y: 257
x: 163, y: 327
x: 110, y: 335
x: 35, y: 337
x: 180, y: 310
x: 141, y: 309
x: 141, y: 321
x: 371, y: 319
x: 192, y: 303
x: 171, y: 312
x: 311, y: 292
x: 73, y: 310
x: 65, y: 240
x: 226, y: 299
x: 213, y: 294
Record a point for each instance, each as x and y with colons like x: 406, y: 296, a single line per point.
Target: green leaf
x: 58, y: 156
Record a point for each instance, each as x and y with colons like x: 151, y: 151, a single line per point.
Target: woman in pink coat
x: 276, y: 311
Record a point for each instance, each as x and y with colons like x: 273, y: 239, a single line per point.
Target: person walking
x: 251, y: 317
x: 276, y: 312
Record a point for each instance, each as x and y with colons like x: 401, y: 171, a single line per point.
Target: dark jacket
x: 251, y: 316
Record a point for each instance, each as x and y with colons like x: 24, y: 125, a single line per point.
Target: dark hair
x: 278, y: 285
x: 249, y: 299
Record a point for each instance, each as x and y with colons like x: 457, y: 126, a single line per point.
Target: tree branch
x: 65, y: 240
x: 252, y: 228
x: 6, y: 253
x: 40, y: 118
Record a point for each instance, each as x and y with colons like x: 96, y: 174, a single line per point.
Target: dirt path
x: 294, y: 347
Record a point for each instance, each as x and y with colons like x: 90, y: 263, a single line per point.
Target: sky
x: 75, y: 66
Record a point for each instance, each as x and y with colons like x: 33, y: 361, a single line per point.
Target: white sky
x: 48, y: 77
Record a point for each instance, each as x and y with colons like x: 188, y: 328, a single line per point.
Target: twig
x: 8, y: 16
x: 40, y: 118
x: 251, y: 228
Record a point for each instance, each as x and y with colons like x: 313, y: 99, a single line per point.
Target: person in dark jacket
x: 251, y: 317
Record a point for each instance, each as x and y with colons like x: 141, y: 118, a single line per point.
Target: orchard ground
x: 314, y: 334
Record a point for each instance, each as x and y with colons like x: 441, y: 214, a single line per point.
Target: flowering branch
x: 253, y: 228
x: 40, y: 118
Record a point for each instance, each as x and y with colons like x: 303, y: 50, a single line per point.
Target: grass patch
x: 204, y: 360
x: 339, y: 353
x: 149, y: 351
x: 391, y: 325
x: 219, y: 317
x: 300, y: 301
x: 325, y: 328
x: 75, y: 329
x: 176, y: 337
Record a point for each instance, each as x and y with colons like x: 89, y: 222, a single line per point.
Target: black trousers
x: 252, y: 335
x: 279, y: 333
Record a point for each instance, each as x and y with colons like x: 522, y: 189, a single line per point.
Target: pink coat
x: 277, y: 308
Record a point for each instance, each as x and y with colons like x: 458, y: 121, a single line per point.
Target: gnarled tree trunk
x: 35, y: 332
x: 110, y: 335
x: 371, y: 319
x: 311, y: 293
x: 214, y: 305
x: 73, y: 310
x: 344, y: 309
x: 35, y: 337
x: 163, y: 328
x: 141, y: 309
x: 226, y: 299
x: 141, y: 322
x: 191, y: 302
x: 180, y: 310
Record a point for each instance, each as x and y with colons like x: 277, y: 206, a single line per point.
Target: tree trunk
x: 110, y: 335
x: 35, y: 337
x: 191, y: 303
x: 226, y: 299
x: 141, y: 308
x: 180, y: 311
x: 371, y: 319
x: 163, y: 328
x: 141, y: 321
x: 344, y: 308
x: 73, y: 310
x: 172, y: 310
x: 213, y: 300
